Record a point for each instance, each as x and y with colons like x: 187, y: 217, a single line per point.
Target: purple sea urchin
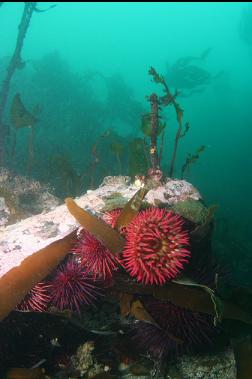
x: 178, y: 330
x: 95, y: 257
x: 37, y: 299
x: 72, y: 286
x: 110, y: 217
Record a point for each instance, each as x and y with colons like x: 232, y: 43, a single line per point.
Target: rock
x: 86, y: 363
x: 4, y: 212
x: 22, y: 239
x: 171, y: 192
x: 192, y: 210
x: 215, y: 366
x: 23, y: 197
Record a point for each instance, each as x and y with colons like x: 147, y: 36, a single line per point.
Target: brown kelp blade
x: 216, y: 301
x: 192, y: 297
x: 26, y: 373
x: 102, y: 231
x: 198, y: 298
x: 139, y: 312
x: 20, y: 117
x: 134, y: 307
x: 17, y: 282
x: 125, y: 301
x: 131, y: 209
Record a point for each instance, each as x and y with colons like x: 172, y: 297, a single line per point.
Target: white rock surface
x: 4, y: 212
x: 34, y: 233
x: 21, y: 197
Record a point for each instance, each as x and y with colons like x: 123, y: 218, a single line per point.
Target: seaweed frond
x: 102, y: 231
x: 17, y: 282
x: 191, y: 158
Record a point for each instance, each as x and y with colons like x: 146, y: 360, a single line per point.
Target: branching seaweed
x: 154, y: 128
x: 170, y: 99
x: 15, y: 63
x: 190, y: 159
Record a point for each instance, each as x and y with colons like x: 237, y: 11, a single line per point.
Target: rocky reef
x: 33, y: 233
x: 130, y: 266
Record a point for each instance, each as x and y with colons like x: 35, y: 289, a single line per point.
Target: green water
x: 86, y: 67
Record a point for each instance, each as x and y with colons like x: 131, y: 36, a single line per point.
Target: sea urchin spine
x: 178, y: 330
x: 72, y: 286
x: 37, y: 299
x: 95, y: 257
x: 110, y: 217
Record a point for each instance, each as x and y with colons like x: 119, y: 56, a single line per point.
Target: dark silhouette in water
x: 187, y: 76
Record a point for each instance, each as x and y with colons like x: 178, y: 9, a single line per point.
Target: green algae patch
x: 192, y: 210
